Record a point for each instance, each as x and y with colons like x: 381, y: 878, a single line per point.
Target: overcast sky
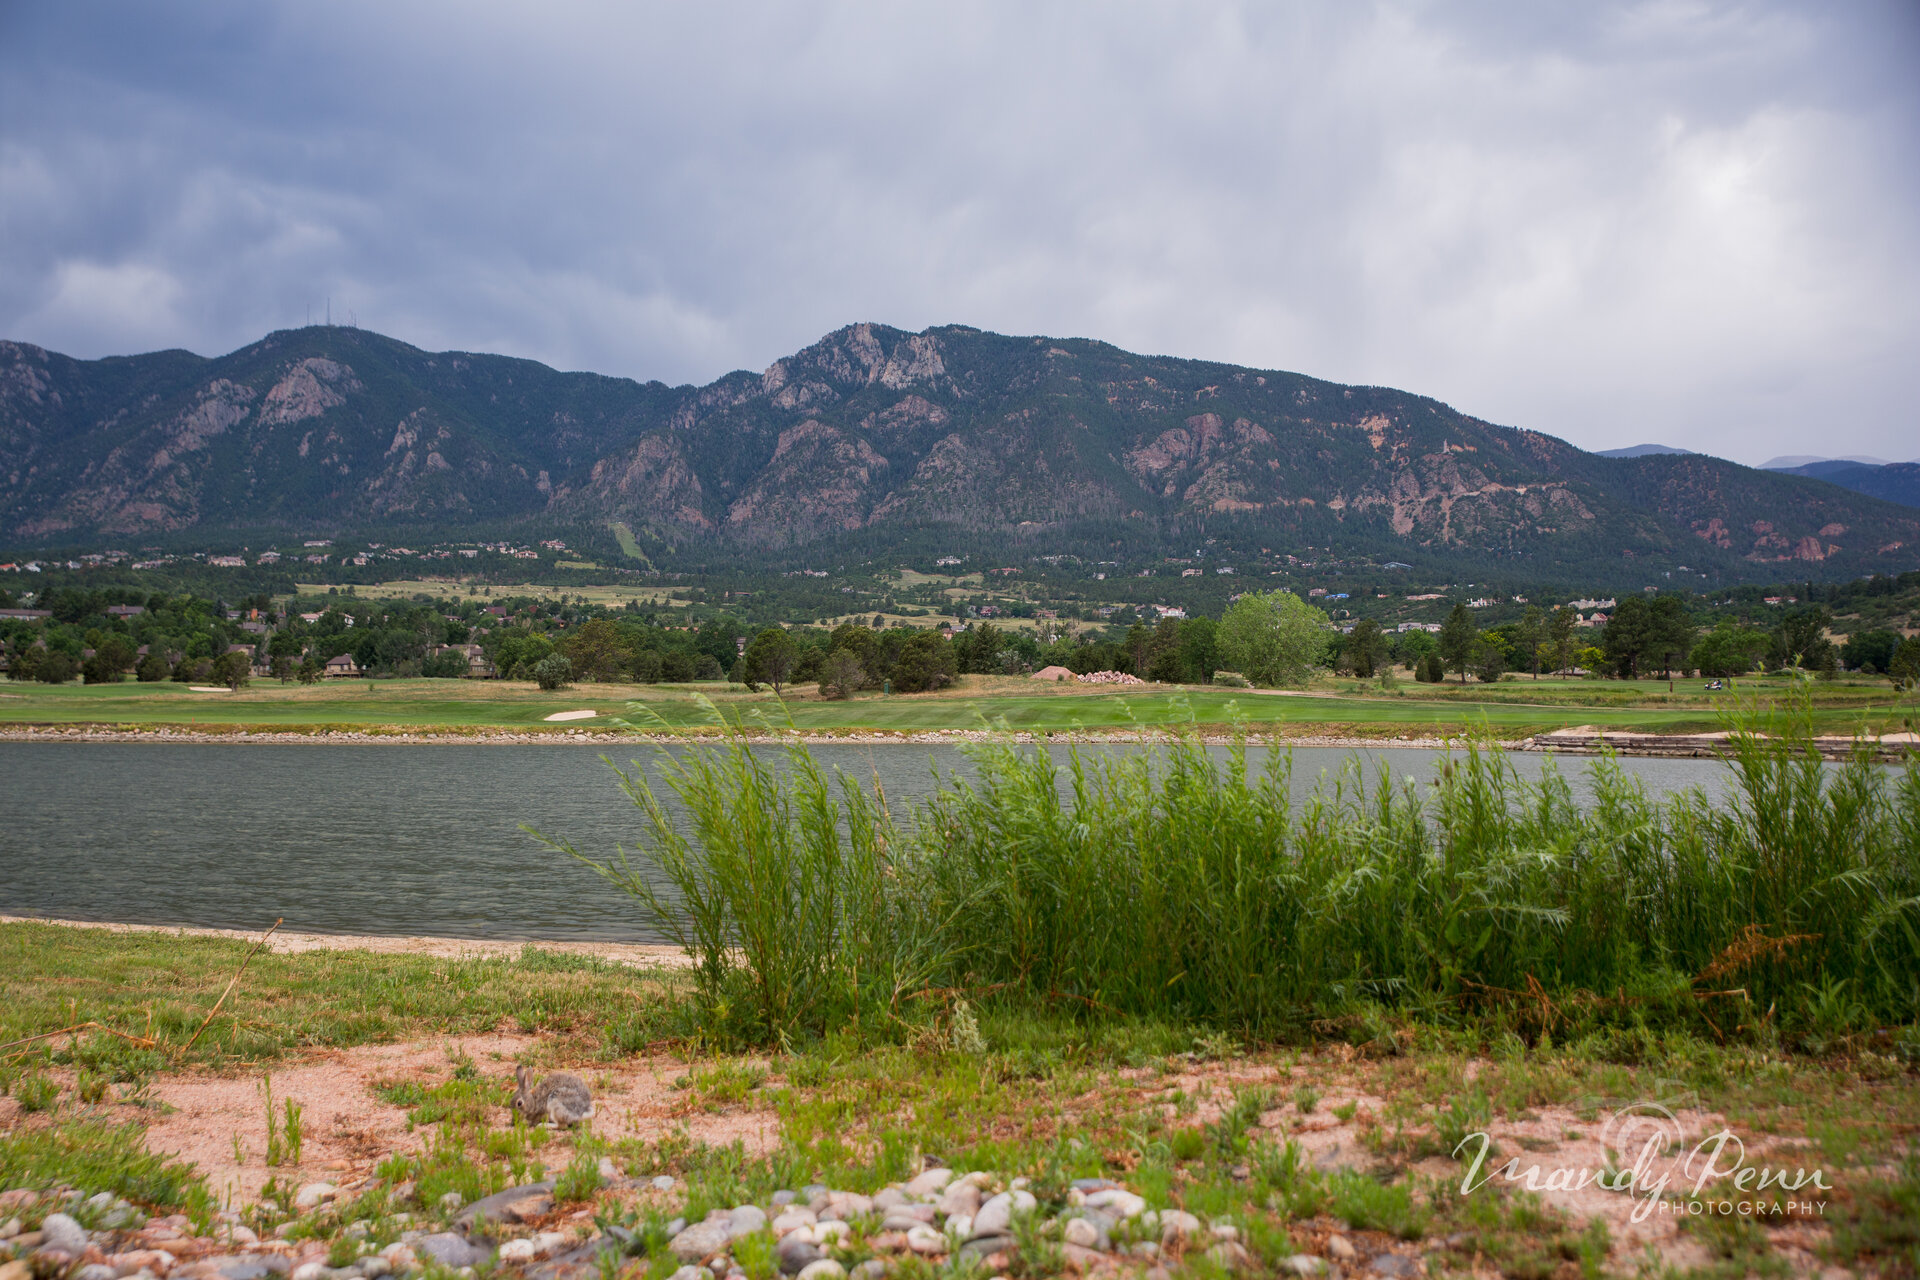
x: 1692, y: 223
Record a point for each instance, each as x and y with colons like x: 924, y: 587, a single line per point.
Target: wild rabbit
x: 559, y: 1099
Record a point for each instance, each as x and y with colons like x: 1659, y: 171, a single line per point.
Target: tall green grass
x: 1180, y: 882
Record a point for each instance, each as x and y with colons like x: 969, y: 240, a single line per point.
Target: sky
x: 1690, y: 223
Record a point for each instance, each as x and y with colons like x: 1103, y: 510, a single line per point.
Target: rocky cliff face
x: 870, y: 430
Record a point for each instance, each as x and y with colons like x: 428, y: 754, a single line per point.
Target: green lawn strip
x: 161, y: 986
x: 435, y: 704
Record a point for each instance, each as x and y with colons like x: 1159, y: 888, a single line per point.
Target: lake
x: 410, y: 839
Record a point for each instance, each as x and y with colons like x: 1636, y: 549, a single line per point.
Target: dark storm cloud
x: 1695, y: 223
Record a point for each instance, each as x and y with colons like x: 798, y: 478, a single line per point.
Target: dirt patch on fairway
x: 218, y: 1120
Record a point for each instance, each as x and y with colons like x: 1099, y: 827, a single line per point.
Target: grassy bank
x: 159, y: 987
x: 1287, y: 1145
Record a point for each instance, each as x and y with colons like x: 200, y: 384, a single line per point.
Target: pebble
x: 833, y: 1229
x: 747, y: 1219
x: 373, y: 1265
x: 924, y: 1239
x: 1145, y: 1249
x: 793, y: 1220
x: 794, y: 1255
x: 983, y: 1246
x: 783, y: 1198
x: 1124, y: 1203
x: 871, y: 1269
x: 662, y: 1183
x: 1304, y: 1264
x: 452, y: 1200
x: 889, y: 1198
x: 1080, y: 1259
x: 10, y: 1228
x: 932, y: 1182
x: 96, y: 1271
x: 609, y: 1171
x: 401, y: 1256
x: 311, y: 1271
x: 961, y: 1199
x: 824, y: 1269
x: 961, y: 1225
x: 449, y: 1250
x: 315, y: 1194
x: 1340, y: 1249
x: 58, y: 1231
x: 1225, y: 1231
x: 688, y: 1273
x: 1081, y: 1232
x: 1392, y: 1264
x: 1177, y: 1224
x: 996, y: 1215
x: 701, y: 1240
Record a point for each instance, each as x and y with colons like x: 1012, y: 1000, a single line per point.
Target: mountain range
x: 1894, y: 481
x: 872, y: 437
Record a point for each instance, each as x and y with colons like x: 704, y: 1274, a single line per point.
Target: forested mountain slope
x: 874, y: 434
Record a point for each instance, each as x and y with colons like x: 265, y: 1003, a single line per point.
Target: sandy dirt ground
x: 218, y: 1121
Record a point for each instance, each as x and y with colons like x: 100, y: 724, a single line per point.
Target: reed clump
x: 1183, y: 883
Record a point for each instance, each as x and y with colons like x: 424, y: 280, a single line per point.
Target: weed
x: 92, y: 1156
x: 36, y: 1091
x: 293, y: 1131
x: 1367, y: 1205
x: 1344, y: 1112
x: 1305, y: 1099
x: 1183, y: 882
x: 579, y: 1181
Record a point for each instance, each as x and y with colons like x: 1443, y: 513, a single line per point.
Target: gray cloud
x: 1688, y: 222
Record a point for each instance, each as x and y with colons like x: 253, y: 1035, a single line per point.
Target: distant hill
x: 1796, y: 462
x: 1640, y: 451
x: 1893, y: 481
x: 873, y: 439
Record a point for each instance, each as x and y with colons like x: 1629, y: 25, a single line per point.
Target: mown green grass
x: 161, y: 986
x: 1507, y: 709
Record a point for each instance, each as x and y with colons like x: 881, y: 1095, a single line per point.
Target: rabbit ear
x: 520, y: 1076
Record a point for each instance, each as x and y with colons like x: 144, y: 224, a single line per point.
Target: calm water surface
x: 409, y: 839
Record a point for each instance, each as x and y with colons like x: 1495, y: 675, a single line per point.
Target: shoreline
x: 590, y: 737
x: 638, y: 955
x: 1578, y: 740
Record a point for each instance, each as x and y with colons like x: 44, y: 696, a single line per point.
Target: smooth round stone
x: 932, y: 1182
x: 1304, y: 1264
x: 1177, y: 1224
x: 924, y: 1239
x: 783, y: 1198
x: 824, y: 1269
x: 1081, y: 1232
x: 832, y: 1229
x: 96, y: 1271
x: 1145, y: 1249
x: 745, y: 1219
x: 792, y: 1220
x: 996, y: 1215
x: 794, y: 1254
x: 61, y: 1232
x: 662, y: 1183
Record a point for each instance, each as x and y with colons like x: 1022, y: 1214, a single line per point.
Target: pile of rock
x: 1110, y: 677
x: 814, y: 1233
x: 937, y: 1215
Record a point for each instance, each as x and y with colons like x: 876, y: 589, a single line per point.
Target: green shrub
x: 1184, y: 883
